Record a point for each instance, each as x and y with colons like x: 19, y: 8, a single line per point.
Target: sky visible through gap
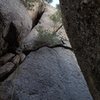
x: 54, y: 3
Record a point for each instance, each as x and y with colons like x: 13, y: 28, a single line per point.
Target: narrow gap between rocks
x: 6, y: 75
x: 39, y: 15
x: 54, y: 46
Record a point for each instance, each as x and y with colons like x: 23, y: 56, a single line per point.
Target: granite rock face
x: 15, y: 24
x: 82, y: 23
x: 50, y: 72
x: 47, y: 32
x: 46, y: 74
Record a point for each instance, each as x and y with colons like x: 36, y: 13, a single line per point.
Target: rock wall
x: 43, y: 65
x: 15, y: 24
x: 82, y: 23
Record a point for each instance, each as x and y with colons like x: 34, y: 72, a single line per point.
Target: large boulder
x: 48, y: 32
x: 46, y: 74
x: 82, y: 23
x: 15, y: 24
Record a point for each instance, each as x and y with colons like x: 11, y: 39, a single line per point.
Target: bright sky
x: 54, y: 3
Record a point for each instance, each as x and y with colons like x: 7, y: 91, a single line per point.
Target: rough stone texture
x: 46, y: 74
x: 16, y: 60
x: 5, y: 70
x: 82, y: 23
x: 32, y: 41
x: 4, y: 59
x: 31, y: 4
x: 15, y: 24
x: 22, y: 57
x: 37, y: 11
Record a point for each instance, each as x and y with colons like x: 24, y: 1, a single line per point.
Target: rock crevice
x: 38, y: 62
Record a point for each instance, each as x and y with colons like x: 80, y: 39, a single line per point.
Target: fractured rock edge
x: 10, y: 66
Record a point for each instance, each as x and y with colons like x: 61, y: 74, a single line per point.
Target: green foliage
x: 56, y: 17
x: 45, y: 37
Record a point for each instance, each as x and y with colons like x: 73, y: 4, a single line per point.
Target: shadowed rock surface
x: 82, y: 23
x: 15, y: 24
x: 46, y: 74
x: 6, y: 58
